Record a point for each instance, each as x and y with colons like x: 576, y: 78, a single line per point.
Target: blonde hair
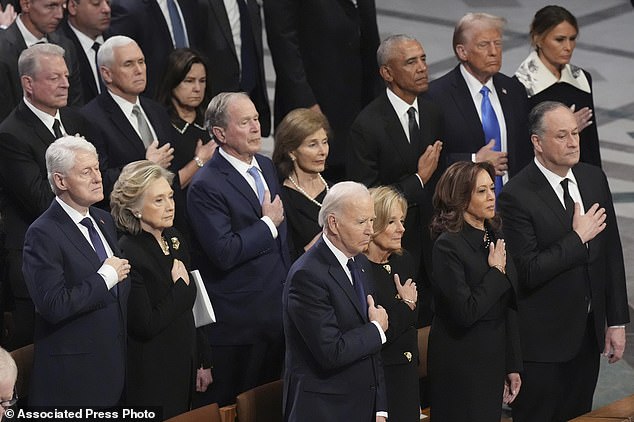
x: 127, y: 194
x: 384, y: 198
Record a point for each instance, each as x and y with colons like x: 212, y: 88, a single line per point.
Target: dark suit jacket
x: 118, y: 143
x: 143, y: 21
x: 80, y: 332
x: 333, y: 367
x: 218, y: 47
x: 88, y: 84
x: 554, y: 266
x: 11, y: 45
x: 380, y: 154
x: 324, y: 53
x: 242, y: 265
x: 25, y: 187
x: 462, y: 131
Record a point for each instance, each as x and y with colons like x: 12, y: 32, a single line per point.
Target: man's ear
x: 27, y: 85
x: 385, y: 73
x: 461, y: 52
x: 60, y: 183
x: 218, y: 134
x: 536, y: 143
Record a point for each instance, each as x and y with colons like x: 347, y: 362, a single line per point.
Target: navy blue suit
x: 80, y: 332
x: 118, y: 143
x: 243, y: 266
x: 333, y: 369
x: 462, y: 132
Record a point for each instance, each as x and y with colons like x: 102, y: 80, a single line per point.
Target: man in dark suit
x: 77, y: 284
x: 238, y: 218
x: 477, y: 43
x: 233, y: 37
x: 132, y: 127
x: 32, y: 126
x: 85, y: 26
x: 158, y: 28
x: 386, y: 147
x: 561, y: 230
x: 36, y: 23
x: 324, y: 55
x: 333, y: 330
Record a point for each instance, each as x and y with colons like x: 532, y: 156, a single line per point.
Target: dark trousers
x: 559, y: 391
x: 237, y: 369
x: 22, y: 322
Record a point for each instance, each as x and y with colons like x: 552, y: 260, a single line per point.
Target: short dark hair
x: 179, y: 63
x: 536, y: 116
x: 453, y: 194
x: 547, y: 18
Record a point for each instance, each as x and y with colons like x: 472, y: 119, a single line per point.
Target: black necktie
x: 57, y: 129
x: 247, y: 51
x: 357, y: 282
x: 100, y: 87
x: 414, y: 132
x: 568, y: 202
x: 95, y: 239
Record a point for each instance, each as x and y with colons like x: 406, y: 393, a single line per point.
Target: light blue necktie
x: 491, y: 129
x: 259, y: 184
x: 180, y: 40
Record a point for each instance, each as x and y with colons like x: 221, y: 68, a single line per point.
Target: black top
x: 301, y: 217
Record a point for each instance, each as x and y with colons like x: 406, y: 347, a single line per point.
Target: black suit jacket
x: 462, y: 131
x: 143, y: 21
x: 333, y: 366
x: 25, y: 187
x: 80, y: 324
x: 220, y: 51
x: 88, y: 84
x: 324, y: 53
x: 118, y: 143
x: 380, y: 154
x: 11, y: 45
x: 554, y: 266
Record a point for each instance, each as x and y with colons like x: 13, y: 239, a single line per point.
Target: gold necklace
x: 303, y: 192
x: 164, y: 246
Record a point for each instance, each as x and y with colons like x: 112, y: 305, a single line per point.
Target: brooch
x: 408, y: 356
x: 175, y: 243
x: 388, y: 268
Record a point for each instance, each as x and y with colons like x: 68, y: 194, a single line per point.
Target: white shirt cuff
x: 109, y: 275
x: 422, y: 185
x: 384, y: 414
x: 381, y: 333
x: 269, y: 223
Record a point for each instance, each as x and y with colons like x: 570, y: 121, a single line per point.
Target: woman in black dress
x: 301, y: 149
x: 393, y: 275
x: 164, y: 362
x: 184, y: 93
x: 474, y: 356
x: 548, y: 75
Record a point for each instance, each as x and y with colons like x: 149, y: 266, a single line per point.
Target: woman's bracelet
x: 410, y: 301
x: 499, y: 268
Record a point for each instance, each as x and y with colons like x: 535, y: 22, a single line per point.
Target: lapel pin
x: 504, y: 91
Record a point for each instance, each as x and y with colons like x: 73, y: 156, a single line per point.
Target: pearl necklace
x: 303, y: 192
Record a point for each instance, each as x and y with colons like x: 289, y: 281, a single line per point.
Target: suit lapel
x: 122, y: 123
x: 542, y: 188
x: 219, y: 11
x: 75, y: 237
x: 111, y: 242
x: 42, y: 132
x: 238, y: 182
x: 394, y: 130
x: 464, y: 104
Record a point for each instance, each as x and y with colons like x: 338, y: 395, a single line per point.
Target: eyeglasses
x: 8, y: 403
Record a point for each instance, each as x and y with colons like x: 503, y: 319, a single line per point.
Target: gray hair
x: 537, y: 114
x: 8, y: 368
x: 128, y: 191
x: 60, y: 156
x: 338, y: 197
x: 29, y: 63
x: 216, y: 113
x: 385, y: 50
x: 471, y: 20
x: 105, y: 56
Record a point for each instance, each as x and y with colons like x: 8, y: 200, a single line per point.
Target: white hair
x: 60, y: 156
x: 340, y: 195
x: 105, y: 55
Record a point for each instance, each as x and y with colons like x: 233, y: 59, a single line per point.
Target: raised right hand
x: 377, y: 313
x: 120, y: 265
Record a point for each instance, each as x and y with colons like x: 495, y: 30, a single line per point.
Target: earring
x: 138, y: 215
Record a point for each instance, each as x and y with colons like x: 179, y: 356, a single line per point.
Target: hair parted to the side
x: 127, y: 194
x: 470, y: 21
x: 384, y: 198
x: 216, y: 113
x: 105, y: 55
x: 337, y: 197
x: 546, y: 19
x: 29, y: 60
x: 60, y: 156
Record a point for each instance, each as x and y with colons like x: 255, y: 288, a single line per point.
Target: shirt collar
x: 536, y: 77
x: 46, y: 118
x: 85, y: 41
x: 554, y: 180
x: 125, y: 105
x: 401, y: 107
x: 29, y: 38
x: 239, y: 165
x: 475, y: 85
x: 341, y: 257
x: 74, y: 215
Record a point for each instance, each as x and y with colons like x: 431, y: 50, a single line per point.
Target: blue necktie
x: 180, y: 40
x: 491, y: 128
x: 95, y: 239
x: 259, y: 184
x: 357, y: 282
